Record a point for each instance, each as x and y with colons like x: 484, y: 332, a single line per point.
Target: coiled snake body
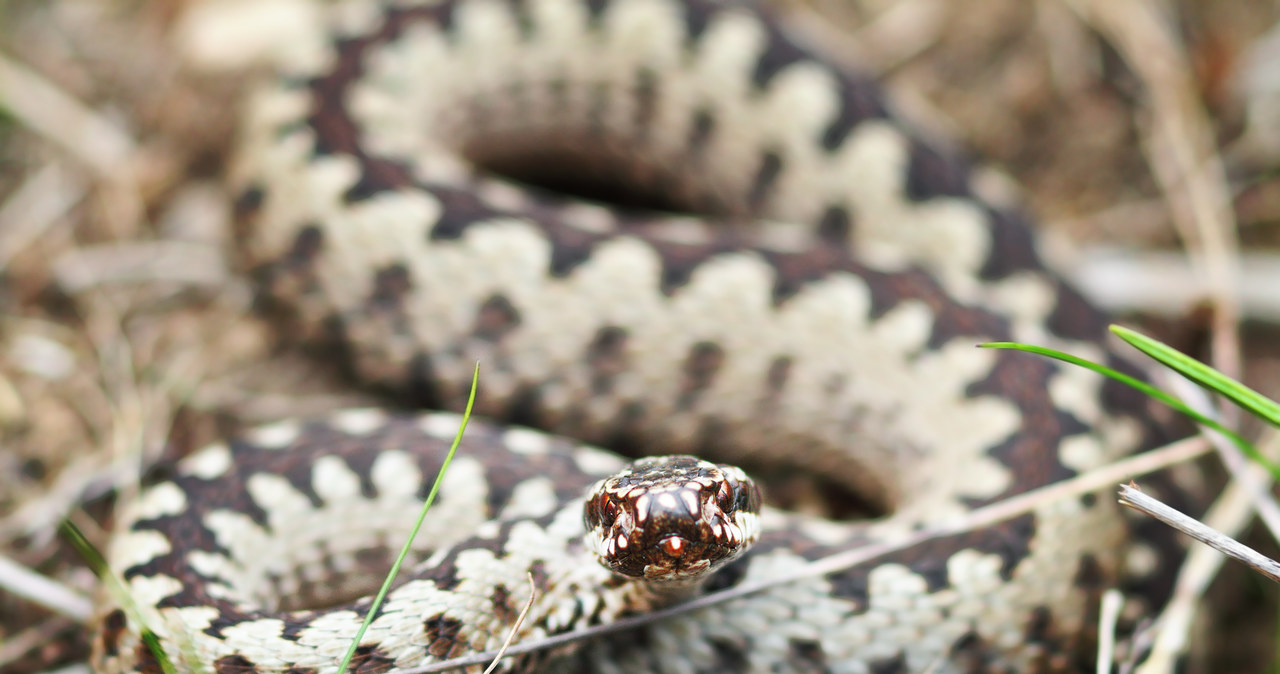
x: 820, y: 313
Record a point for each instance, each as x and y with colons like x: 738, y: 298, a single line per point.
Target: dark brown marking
x: 835, y: 226
x: 1031, y: 452
x: 599, y: 96
x: 971, y: 650
x: 779, y: 53
x: 423, y: 384
x: 390, y: 286
x: 607, y: 357
x: 524, y: 20
x: 792, y: 272
x: 1009, y: 540
x: 371, y: 660
x: 930, y: 174
x: 113, y: 626
x: 335, y: 130
x: 895, y: 665
x: 596, y: 10
x: 807, y: 655
x: 1091, y: 576
x: 233, y: 664
x: 729, y: 657
x: 248, y: 202
x: 646, y: 92
x: 779, y: 372
x: 538, y: 571
x: 442, y: 633
x: 571, y: 247
x: 306, y: 246
x: 860, y: 99
x: 700, y: 367
x: 766, y: 175
x: 696, y: 19
x: 503, y: 609
x: 145, y: 660
x: 495, y: 319
x: 704, y: 124
x: 1012, y: 247
x: 460, y: 211
x: 524, y: 407
x: 1040, y: 627
x: 1073, y: 317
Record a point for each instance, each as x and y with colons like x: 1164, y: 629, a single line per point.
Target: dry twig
x: 1100, y: 478
x: 23, y: 582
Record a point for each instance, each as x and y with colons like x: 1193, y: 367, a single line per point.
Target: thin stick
x: 511, y: 634
x: 23, y: 582
x: 43, y: 107
x: 1133, y: 497
x: 1108, y: 616
x: 1100, y: 478
x: 20, y: 643
x: 1173, y: 626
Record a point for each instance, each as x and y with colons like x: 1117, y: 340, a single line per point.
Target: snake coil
x: 812, y: 305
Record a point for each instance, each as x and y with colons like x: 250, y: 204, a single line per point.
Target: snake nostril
x: 673, y: 546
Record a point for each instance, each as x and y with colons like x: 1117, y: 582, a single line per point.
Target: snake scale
x: 793, y: 280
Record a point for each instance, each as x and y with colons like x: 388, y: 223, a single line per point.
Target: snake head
x: 672, y: 518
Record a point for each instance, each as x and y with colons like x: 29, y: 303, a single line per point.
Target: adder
x: 765, y: 266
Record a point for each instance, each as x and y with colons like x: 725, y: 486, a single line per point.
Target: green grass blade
x: 118, y: 592
x: 422, y: 516
x: 1203, y: 375
x: 1170, y: 400
x: 1105, y: 371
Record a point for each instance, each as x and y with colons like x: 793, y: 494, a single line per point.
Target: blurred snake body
x: 793, y: 281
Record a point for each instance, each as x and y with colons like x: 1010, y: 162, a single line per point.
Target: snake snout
x: 673, y: 518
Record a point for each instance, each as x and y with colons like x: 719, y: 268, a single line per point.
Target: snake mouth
x: 672, y: 518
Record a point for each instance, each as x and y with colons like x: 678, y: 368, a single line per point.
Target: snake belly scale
x: 814, y: 306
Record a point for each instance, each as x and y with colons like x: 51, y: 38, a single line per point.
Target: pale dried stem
x: 1247, y: 475
x: 1134, y: 498
x: 62, y: 120
x: 96, y: 142
x: 20, y: 581
x: 180, y: 262
x: 41, y: 201
x: 1230, y: 513
x: 1181, y: 153
x: 1124, y: 280
x: 1108, y: 618
x: 20, y: 643
x: 1101, y: 478
x: 511, y: 634
x: 894, y: 36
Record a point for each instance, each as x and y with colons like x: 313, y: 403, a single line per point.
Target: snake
x: 662, y: 228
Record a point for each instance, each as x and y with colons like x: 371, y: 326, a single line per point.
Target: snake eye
x: 609, y: 509
x: 724, y: 498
